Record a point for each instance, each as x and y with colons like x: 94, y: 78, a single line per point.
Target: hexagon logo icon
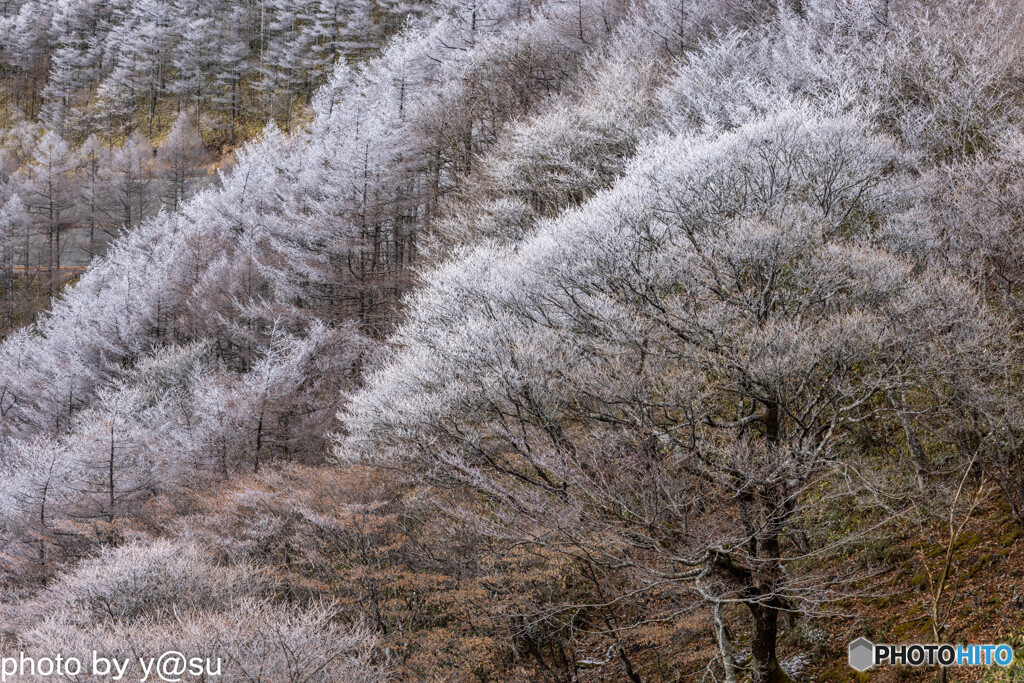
x: 862, y: 654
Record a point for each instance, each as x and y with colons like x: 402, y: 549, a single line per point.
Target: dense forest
x: 113, y: 111
x: 511, y: 340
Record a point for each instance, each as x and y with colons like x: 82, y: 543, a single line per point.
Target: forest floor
x: 983, y: 602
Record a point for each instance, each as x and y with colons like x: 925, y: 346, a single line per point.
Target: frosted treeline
x: 103, y: 66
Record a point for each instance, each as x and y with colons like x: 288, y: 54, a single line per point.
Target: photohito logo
x: 864, y: 654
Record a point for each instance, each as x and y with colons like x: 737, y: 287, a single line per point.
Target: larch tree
x: 93, y: 195
x: 50, y: 196
x: 13, y: 224
x: 129, y: 181
x: 181, y: 157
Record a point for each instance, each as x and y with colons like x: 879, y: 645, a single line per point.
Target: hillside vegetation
x: 532, y: 340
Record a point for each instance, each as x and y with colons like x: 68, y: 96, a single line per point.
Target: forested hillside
x: 552, y: 340
x: 108, y: 67
x: 113, y: 111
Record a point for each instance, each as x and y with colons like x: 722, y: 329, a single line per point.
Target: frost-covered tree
x: 232, y: 63
x: 37, y: 491
x: 181, y: 155
x: 548, y: 163
x: 950, y: 77
x: 92, y: 192
x: 49, y: 196
x: 671, y: 377
x: 115, y: 467
x: 13, y: 227
x: 129, y: 180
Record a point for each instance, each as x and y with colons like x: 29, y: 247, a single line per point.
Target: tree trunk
x: 725, y: 645
x: 765, y: 665
x: 917, y: 455
x: 110, y: 478
x: 259, y: 445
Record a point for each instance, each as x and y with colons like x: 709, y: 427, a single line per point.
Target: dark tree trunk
x: 765, y: 665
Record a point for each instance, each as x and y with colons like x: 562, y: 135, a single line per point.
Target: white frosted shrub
x: 152, y: 579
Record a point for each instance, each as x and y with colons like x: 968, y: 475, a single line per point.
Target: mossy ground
x: 987, y: 605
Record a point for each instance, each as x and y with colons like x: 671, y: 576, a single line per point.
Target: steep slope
x: 220, y: 337
x: 709, y: 379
